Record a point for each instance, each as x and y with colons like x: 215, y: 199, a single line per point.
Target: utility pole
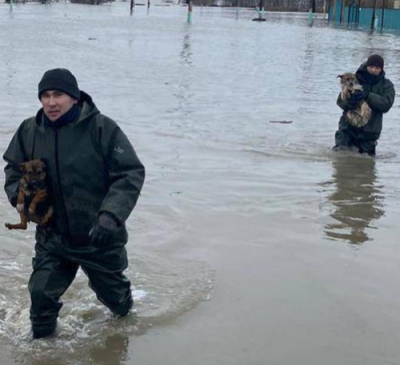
x: 373, y: 17
x: 132, y: 5
x: 311, y: 12
x: 383, y: 13
x: 349, y: 13
x: 190, y: 11
x: 260, y: 11
x: 342, y: 11
x: 357, y: 20
x: 313, y: 7
x: 334, y: 10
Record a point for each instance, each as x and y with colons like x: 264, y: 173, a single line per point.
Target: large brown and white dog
x: 361, y: 113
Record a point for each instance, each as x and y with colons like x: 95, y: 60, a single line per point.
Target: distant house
x: 269, y: 5
x: 90, y: 2
x: 366, y: 14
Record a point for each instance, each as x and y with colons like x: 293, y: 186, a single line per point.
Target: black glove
x: 357, y: 96
x: 104, y: 228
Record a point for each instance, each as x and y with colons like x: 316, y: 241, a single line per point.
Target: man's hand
x: 357, y: 96
x: 102, y: 231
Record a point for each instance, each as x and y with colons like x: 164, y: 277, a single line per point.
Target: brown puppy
x: 32, y: 191
x: 361, y: 113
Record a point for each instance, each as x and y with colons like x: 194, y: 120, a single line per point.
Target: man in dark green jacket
x: 95, y: 180
x: 379, y: 93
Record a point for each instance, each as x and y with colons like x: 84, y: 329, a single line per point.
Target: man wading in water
x: 379, y: 93
x: 95, y: 178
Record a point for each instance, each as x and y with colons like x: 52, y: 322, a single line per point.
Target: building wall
x: 362, y: 17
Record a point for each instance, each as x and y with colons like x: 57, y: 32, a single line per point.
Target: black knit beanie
x: 375, y: 60
x: 59, y: 79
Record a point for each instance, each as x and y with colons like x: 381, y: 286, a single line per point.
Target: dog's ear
x: 340, y: 76
x: 22, y: 166
x: 44, y: 161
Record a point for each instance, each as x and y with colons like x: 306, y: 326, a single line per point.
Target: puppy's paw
x: 44, y: 221
x: 20, y: 208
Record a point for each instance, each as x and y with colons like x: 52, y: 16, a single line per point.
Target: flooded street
x: 252, y: 243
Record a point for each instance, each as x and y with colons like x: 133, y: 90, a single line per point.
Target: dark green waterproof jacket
x: 91, y: 167
x: 380, y: 98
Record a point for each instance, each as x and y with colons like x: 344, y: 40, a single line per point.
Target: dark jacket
x: 91, y: 166
x: 380, y: 98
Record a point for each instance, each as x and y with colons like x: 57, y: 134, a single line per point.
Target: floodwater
x: 252, y: 243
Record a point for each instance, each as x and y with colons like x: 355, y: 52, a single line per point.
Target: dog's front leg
x: 20, y: 208
x: 40, y: 196
x: 20, y: 201
x: 46, y: 217
x: 22, y: 225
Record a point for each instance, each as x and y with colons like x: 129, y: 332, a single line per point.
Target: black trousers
x: 348, y: 137
x: 55, y: 265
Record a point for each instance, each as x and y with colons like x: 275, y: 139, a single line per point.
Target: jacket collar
x: 366, y: 78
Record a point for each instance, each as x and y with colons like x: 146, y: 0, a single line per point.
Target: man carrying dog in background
x: 95, y: 179
x: 379, y: 94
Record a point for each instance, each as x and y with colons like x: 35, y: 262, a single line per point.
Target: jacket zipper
x: 59, y: 182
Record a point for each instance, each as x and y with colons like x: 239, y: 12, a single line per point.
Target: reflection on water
x: 357, y: 199
x: 186, y: 54
x: 103, y: 346
x: 114, y: 351
x: 184, y: 83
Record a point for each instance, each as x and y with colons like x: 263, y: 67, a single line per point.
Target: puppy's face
x: 34, y: 172
x: 349, y: 80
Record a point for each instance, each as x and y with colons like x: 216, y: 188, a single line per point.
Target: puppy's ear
x: 340, y: 76
x: 22, y: 166
x: 43, y: 160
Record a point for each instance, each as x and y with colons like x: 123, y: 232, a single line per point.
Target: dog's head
x: 349, y: 80
x: 34, y: 172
